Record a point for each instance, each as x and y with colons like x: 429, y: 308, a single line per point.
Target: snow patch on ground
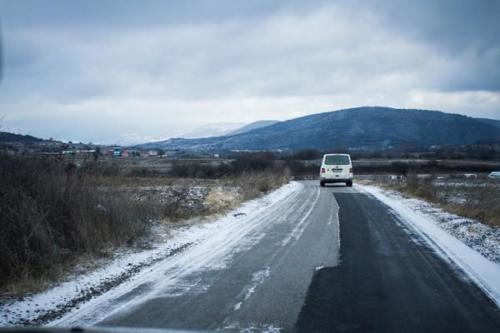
x: 474, y: 247
x: 257, y: 279
x: 128, y: 268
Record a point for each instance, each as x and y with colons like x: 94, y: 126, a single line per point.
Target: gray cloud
x: 459, y: 30
x: 131, y: 69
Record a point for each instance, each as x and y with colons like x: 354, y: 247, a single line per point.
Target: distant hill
x: 493, y: 122
x: 252, y: 126
x: 6, y: 137
x: 209, y: 130
x: 224, y: 129
x: 356, y: 128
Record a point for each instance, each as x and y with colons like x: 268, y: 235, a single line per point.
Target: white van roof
x: 336, y: 154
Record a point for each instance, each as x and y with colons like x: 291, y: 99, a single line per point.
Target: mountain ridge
x: 371, y: 127
x: 15, y: 137
x: 251, y: 126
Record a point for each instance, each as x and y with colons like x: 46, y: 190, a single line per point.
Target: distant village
x: 23, y: 145
x: 18, y: 144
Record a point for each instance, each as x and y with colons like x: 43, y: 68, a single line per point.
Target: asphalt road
x: 304, y: 273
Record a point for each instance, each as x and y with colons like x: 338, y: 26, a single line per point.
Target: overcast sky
x: 133, y: 71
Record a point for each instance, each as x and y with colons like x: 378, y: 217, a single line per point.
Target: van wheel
x: 322, y: 184
x: 349, y: 183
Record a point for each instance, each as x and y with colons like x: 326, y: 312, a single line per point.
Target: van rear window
x: 337, y: 160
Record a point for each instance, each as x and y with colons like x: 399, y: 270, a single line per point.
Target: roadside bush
x: 247, y: 163
x: 301, y: 170
x: 469, y: 198
x: 400, y: 168
x: 421, y: 187
x: 50, y: 212
x: 305, y: 154
x: 251, y: 164
x: 198, y: 170
x: 482, y: 203
x: 412, y: 183
x: 254, y: 183
x: 144, y: 172
x: 53, y: 212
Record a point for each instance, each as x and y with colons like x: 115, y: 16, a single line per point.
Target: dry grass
x: 482, y: 204
x: 478, y: 199
x: 53, y: 213
x: 253, y: 184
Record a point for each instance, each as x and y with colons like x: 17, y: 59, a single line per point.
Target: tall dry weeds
x: 53, y: 212
x: 50, y: 213
x: 476, y: 199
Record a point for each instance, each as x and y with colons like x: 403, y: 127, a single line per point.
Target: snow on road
x: 257, y: 279
x: 416, y: 214
x: 86, y: 298
x: 301, y: 226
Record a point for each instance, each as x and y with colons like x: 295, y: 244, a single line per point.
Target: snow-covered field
x: 473, y: 246
x: 125, y: 267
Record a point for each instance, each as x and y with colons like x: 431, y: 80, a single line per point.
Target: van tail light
x: 350, y: 170
x: 322, y: 170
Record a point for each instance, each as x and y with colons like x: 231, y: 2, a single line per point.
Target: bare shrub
x: 254, y: 184
x: 50, y: 212
x: 53, y: 212
x: 469, y: 198
x: 480, y: 202
x: 412, y: 183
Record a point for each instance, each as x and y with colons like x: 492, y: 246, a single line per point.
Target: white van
x: 494, y: 175
x: 336, y: 168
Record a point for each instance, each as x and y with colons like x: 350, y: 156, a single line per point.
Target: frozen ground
x: 69, y: 296
x: 473, y: 246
